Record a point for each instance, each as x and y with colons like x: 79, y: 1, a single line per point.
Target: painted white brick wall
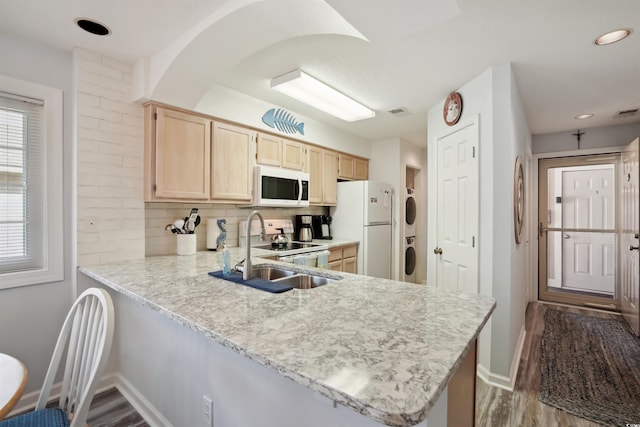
x: 110, y: 151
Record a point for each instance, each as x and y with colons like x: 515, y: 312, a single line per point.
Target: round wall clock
x: 518, y: 199
x: 452, y: 109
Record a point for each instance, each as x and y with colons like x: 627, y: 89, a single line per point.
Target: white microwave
x: 281, y: 187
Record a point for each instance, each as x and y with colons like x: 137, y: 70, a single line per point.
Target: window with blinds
x: 22, y: 184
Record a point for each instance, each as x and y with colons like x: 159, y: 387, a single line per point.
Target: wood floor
x: 111, y: 409
x: 496, y: 407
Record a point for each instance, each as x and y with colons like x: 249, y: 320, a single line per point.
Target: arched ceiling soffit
x: 182, y: 73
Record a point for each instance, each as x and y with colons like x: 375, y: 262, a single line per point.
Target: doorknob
x: 567, y: 236
x: 633, y: 248
x: 437, y: 251
x: 635, y: 235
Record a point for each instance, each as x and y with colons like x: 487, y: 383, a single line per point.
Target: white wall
x: 606, y: 136
x: 504, y: 134
x: 476, y: 98
x: 231, y: 105
x: 31, y: 316
x: 389, y: 159
x: 110, y: 155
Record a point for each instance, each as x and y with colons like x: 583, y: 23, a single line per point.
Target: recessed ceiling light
x: 583, y: 116
x: 613, y: 36
x: 93, y: 27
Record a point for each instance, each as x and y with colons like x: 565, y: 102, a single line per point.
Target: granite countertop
x: 384, y: 348
x: 336, y: 242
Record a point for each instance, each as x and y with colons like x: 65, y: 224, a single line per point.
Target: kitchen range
x: 285, y: 249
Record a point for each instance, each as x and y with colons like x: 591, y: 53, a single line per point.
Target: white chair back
x: 87, y: 334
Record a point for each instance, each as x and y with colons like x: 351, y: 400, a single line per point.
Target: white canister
x: 186, y: 244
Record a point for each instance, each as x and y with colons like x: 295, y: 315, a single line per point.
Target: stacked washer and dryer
x: 410, y: 236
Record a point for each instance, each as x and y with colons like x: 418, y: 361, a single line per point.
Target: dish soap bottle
x: 226, y: 261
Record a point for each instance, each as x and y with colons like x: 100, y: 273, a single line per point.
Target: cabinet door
x: 314, y: 161
x: 335, y: 265
x: 345, y: 167
x: 361, y: 169
x: 182, y: 153
x: 330, y: 177
x: 269, y: 150
x: 232, y: 165
x: 350, y: 265
x: 292, y: 155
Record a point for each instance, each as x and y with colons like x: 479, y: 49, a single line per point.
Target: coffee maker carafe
x: 304, y: 230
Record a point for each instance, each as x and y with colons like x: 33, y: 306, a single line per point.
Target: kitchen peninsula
x: 360, y: 351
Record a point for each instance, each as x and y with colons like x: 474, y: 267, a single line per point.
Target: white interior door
x: 588, y: 203
x: 629, y: 228
x: 457, y: 210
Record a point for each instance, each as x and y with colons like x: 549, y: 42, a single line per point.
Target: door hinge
x: 473, y: 241
x: 474, y: 152
x: 155, y: 116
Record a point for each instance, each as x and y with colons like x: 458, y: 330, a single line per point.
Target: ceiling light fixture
x: 612, y: 37
x: 93, y: 27
x: 583, y: 116
x: 301, y: 86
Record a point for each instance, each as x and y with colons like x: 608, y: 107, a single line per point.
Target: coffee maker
x: 304, y: 230
x: 321, y: 227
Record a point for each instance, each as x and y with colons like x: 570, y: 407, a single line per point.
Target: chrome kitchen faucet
x: 247, y: 272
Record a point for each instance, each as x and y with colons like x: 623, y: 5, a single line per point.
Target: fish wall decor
x: 283, y: 121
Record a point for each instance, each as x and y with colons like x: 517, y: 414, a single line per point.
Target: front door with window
x: 577, y: 221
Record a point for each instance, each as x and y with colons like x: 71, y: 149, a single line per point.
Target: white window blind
x: 22, y: 184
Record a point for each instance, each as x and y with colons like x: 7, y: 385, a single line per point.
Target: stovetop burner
x: 288, y: 247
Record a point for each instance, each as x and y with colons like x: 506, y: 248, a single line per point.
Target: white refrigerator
x: 363, y: 213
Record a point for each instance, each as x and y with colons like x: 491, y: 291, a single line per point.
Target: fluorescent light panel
x: 301, y: 86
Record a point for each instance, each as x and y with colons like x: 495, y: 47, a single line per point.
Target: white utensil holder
x: 186, y: 244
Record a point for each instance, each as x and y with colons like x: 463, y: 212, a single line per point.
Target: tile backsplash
x: 158, y: 241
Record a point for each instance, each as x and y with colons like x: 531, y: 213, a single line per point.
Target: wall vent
x: 400, y: 111
x: 626, y: 113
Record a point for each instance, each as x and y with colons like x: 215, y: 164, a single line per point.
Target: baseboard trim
x: 151, y: 415
x: 501, y: 381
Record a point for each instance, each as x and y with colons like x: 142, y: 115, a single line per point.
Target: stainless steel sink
x: 305, y: 281
x: 270, y: 272
x: 290, y: 277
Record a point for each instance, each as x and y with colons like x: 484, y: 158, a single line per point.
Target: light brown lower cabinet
x: 461, y: 397
x: 344, y: 258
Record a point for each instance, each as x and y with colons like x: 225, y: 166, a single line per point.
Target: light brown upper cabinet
x: 232, y: 165
x: 177, y: 155
x: 361, y: 167
x: 352, y: 168
x: 292, y: 154
x: 329, y: 177
x: 313, y: 166
x: 281, y: 152
x: 322, y: 167
x: 346, y: 168
x: 268, y: 150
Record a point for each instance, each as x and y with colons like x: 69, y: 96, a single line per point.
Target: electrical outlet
x: 207, y: 410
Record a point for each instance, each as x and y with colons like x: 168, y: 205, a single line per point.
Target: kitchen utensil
x: 172, y: 228
x: 179, y: 224
x: 279, y: 241
x: 190, y: 222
